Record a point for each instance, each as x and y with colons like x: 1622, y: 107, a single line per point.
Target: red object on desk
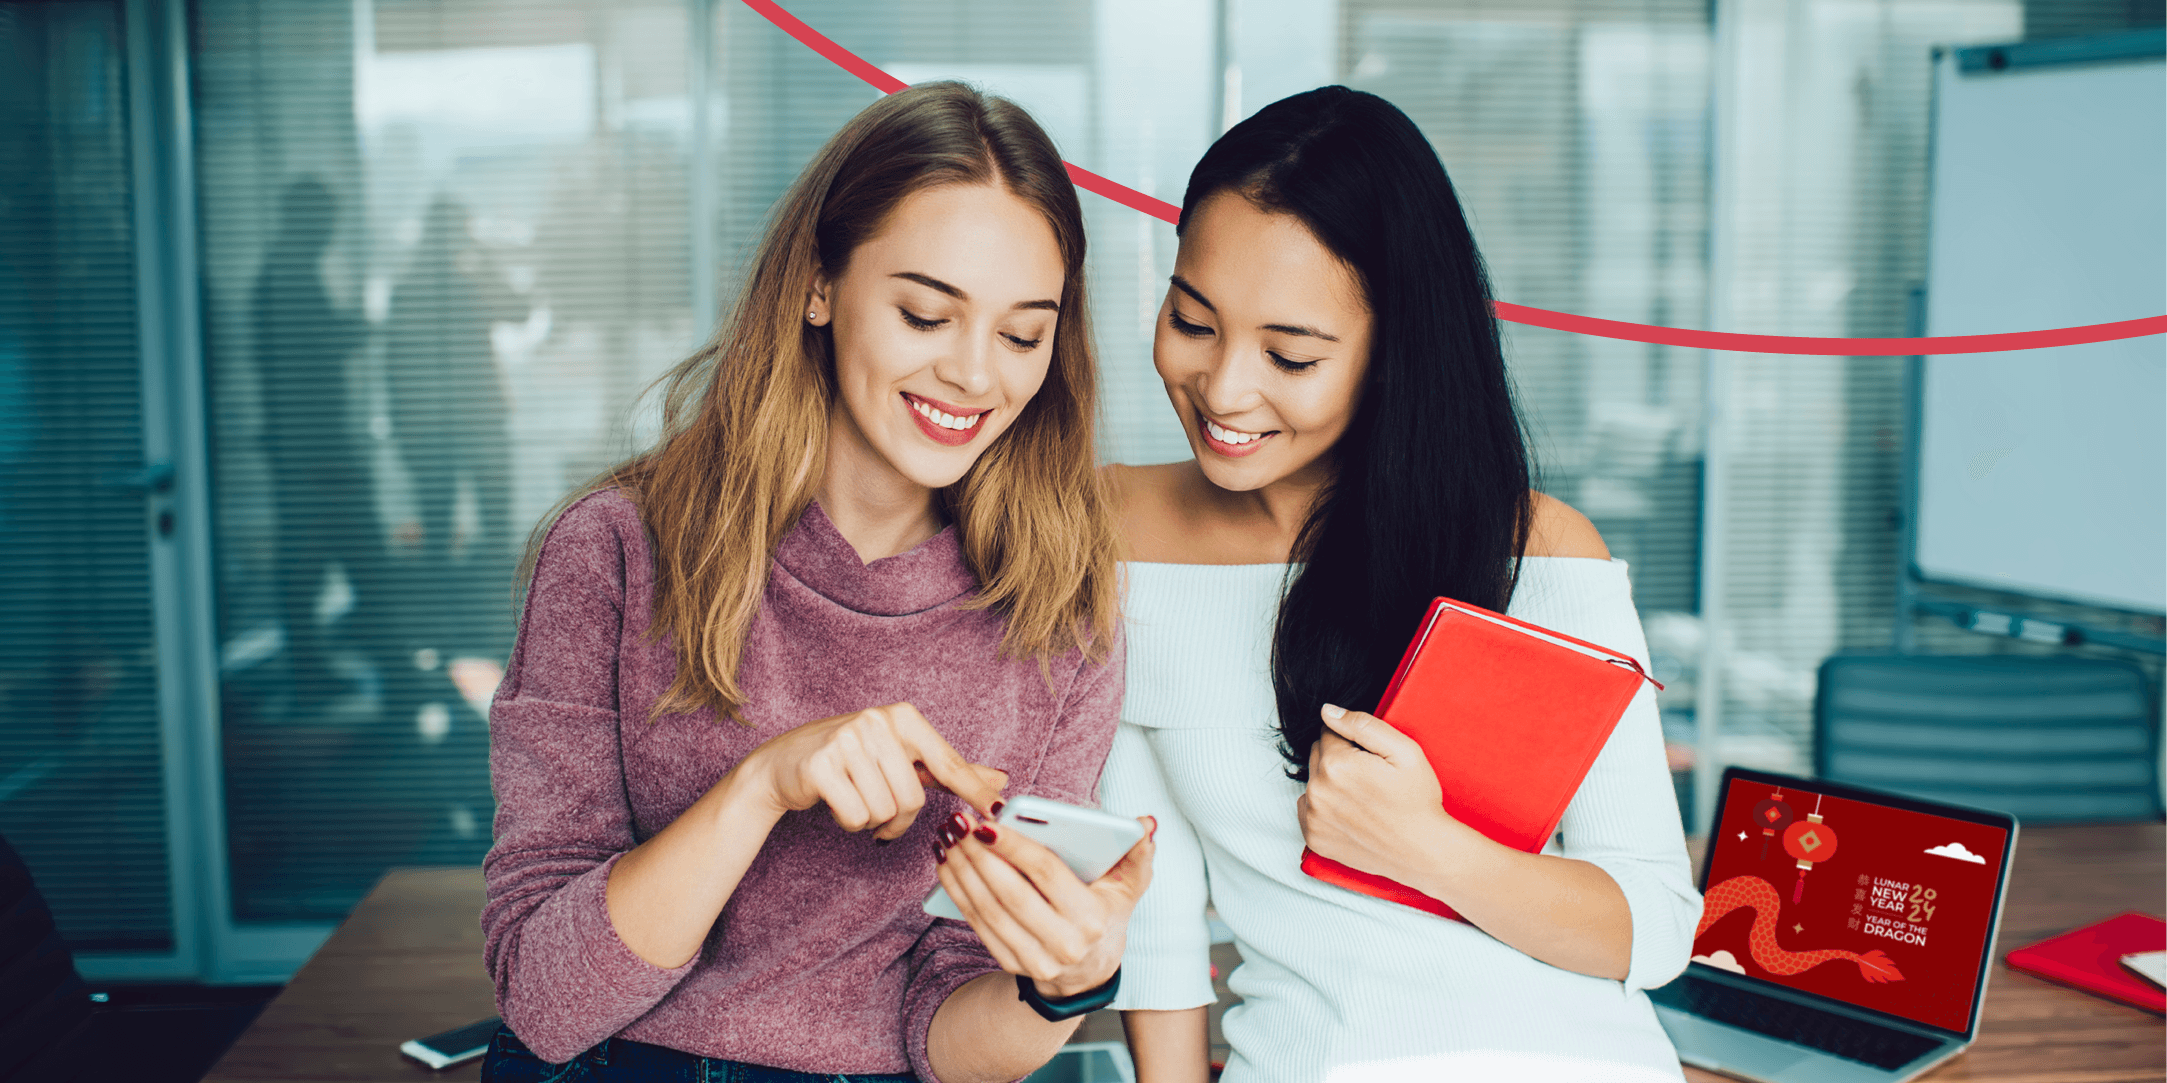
x: 2090, y: 958
x: 1510, y: 715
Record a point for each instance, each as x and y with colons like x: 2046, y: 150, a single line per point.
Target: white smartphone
x: 441, y: 1051
x: 1088, y: 841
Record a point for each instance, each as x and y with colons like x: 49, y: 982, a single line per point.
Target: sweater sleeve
x: 1167, y: 966
x: 1076, y: 752
x: 949, y: 954
x: 564, y: 980
x: 1624, y: 819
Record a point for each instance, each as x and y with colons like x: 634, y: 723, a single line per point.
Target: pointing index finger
x: 941, y: 767
x: 992, y: 781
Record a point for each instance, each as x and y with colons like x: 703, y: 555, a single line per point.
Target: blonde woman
x: 861, y: 587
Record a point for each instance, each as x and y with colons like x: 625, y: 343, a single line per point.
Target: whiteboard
x: 2044, y: 472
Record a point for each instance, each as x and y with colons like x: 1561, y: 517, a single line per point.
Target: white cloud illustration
x: 1722, y: 959
x: 1957, y: 851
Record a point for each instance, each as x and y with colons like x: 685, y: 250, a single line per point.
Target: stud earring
x: 812, y: 315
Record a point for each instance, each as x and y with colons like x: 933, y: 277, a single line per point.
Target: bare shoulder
x: 1560, y: 531
x: 1141, y: 489
x: 1120, y: 483
x: 1149, y: 504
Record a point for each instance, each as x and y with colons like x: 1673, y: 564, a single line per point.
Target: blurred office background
x: 309, y: 310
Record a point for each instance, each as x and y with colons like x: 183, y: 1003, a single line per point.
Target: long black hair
x: 1431, y: 487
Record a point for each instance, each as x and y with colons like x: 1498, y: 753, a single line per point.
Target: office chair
x: 44, y: 1008
x: 2048, y: 740
x: 52, y: 1032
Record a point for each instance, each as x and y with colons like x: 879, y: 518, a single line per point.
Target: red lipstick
x: 937, y: 432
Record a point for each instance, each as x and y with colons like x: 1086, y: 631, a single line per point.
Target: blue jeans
x: 621, y: 1060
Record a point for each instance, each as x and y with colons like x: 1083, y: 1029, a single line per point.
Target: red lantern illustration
x: 1772, y: 815
x: 1809, y: 841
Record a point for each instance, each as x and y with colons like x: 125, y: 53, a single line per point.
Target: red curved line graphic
x: 819, y: 43
x: 1122, y: 193
x: 1542, y: 317
x: 1830, y: 347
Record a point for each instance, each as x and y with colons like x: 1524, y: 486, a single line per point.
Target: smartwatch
x: 1053, y: 1011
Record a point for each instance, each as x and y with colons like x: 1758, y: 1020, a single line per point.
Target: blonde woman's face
x: 1263, y: 342
x: 943, y: 329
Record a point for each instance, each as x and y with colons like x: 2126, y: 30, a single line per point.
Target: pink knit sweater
x: 823, y: 960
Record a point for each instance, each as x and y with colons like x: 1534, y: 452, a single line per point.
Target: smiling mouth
x: 943, y: 422
x: 1232, y: 443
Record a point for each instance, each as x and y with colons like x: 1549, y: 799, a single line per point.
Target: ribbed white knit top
x: 1337, y: 986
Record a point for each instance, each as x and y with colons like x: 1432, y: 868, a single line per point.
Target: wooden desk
x: 408, y: 962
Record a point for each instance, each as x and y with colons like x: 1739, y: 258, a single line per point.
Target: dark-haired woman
x: 1328, y: 344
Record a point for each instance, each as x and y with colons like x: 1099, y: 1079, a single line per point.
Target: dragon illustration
x: 1758, y: 895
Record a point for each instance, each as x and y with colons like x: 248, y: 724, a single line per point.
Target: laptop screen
x: 1881, y: 905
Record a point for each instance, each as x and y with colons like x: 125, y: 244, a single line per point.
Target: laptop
x: 1846, y: 933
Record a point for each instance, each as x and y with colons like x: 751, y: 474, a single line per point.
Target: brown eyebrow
x: 931, y: 282
x: 1183, y: 285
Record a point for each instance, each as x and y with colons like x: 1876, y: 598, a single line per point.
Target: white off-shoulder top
x: 1340, y: 987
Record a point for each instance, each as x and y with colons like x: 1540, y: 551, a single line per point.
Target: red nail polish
x: 985, y: 834
x: 997, y: 807
x: 950, y: 834
x: 940, y: 854
x: 962, y: 824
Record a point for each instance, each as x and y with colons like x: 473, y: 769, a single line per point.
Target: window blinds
x: 446, y: 244
x: 1820, y: 228
x: 80, y: 787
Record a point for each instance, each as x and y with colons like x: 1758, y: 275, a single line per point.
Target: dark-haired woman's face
x: 1263, y: 343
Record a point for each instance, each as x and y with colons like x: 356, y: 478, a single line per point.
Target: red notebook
x: 1511, y: 716
x: 2090, y: 958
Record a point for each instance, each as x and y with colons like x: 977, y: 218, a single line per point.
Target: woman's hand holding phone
x: 871, y: 768
x: 1033, y: 914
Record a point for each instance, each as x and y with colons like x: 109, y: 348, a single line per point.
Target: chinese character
x: 1853, y: 923
x: 1862, y: 878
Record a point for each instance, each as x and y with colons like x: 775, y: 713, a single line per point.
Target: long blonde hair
x: 745, y: 419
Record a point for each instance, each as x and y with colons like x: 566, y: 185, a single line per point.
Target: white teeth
x: 1228, y: 436
x: 944, y: 419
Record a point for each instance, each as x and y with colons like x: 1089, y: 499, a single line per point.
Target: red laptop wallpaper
x: 1879, y: 907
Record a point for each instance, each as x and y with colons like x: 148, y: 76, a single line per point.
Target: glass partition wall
x: 445, y: 246
x: 438, y: 249
x: 80, y: 781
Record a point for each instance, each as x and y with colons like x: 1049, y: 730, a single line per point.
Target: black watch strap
x: 1090, y: 1000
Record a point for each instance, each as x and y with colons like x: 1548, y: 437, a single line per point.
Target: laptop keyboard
x: 1843, y: 1036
